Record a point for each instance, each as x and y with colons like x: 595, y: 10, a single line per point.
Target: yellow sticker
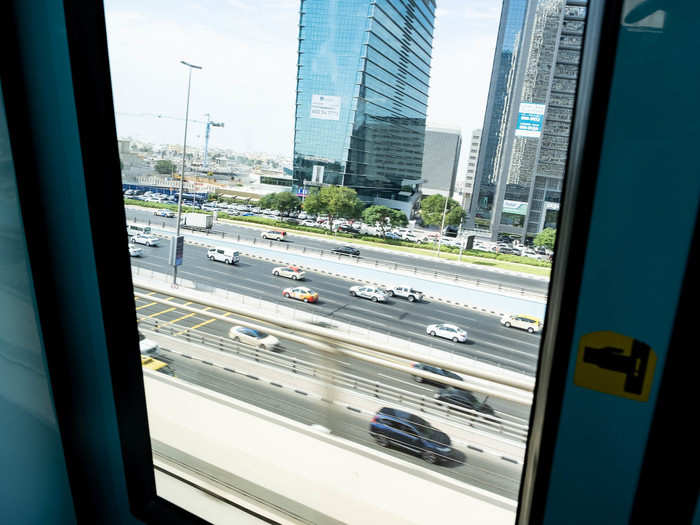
x: 615, y: 364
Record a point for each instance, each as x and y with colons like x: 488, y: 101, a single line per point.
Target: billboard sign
x: 515, y: 207
x: 177, y: 246
x: 325, y: 107
x: 530, y: 119
x: 317, y: 174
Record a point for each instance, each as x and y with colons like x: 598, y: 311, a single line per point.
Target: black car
x: 346, y: 250
x: 434, y: 370
x: 405, y: 430
x: 463, y: 398
x: 346, y: 228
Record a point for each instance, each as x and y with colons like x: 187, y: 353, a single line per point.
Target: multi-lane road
x: 488, y: 341
x: 469, y: 466
x: 472, y: 272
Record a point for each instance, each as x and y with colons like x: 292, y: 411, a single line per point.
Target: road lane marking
x: 158, y: 313
x: 146, y: 305
x: 203, y: 322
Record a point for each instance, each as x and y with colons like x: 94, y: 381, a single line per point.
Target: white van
x: 133, y: 229
x: 227, y: 255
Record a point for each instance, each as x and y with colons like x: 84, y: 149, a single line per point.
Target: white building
x: 464, y: 186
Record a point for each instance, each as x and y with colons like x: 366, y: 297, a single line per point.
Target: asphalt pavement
x: 472, y: 271
x: 488, y: 341
x: 468, y: 466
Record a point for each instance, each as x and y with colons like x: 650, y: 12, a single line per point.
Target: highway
x: 180, y: 322
x: 488, y: 340
x: 466, y: 271
x: 474, y: 468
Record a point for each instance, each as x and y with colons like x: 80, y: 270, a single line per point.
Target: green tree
x: 385, y: 216
x: 546, y: 238
x: 165, y: 167
x: 335, y: 201
x: 283, y: 201
x: 431, y: 209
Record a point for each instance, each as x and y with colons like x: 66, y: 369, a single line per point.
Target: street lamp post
x: 442, y: 226
x: 184, y: 154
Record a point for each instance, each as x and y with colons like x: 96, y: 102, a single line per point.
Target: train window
x: 341, y: 125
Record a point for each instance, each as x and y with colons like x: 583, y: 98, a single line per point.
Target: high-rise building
x: 362, y: 95
x: 440, y: 160
x: 465, y: 183
x: 532, y: 149
x: 509, y: 32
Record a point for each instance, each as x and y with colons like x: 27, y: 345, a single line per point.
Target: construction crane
x: 208, y: 123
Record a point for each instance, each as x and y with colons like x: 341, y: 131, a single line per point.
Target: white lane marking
x: 405, y: 382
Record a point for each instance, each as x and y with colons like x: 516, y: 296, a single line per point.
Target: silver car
x: 146, y: 239
x: 290, y: 272
x: 368, y: 292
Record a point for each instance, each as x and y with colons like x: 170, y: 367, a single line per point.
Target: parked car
x: 147, y: 239
x: 347, y: 228
x: 392, y: 235
x: 301, y: 293
x: 464, y: 399
x: 524, y: 322
x: 369, y: 292
x: 254, y: 337
x: 135, y: 251
x: 392, y: 427
x: 447, y: 331
x: 434, y: 370
x: 406, y: 292
x: 290, y: 272
x: 164, y: 213
x: 226, y: 255
x: 276, y: 235
x: 346, y: 250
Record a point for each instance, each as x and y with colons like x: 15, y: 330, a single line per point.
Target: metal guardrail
x: 375, y: 263
x: 502, y: 423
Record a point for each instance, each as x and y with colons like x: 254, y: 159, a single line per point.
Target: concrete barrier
x: 343, y: 481
x: 358, y: 403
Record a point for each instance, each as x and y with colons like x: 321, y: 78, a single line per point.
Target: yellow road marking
x: 180, y: 318
x: 158, y: 313
x: 145, y: 305
x: 203, y: 322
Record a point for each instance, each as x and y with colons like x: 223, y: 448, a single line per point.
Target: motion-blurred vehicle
x: 253, y: 337
x: 392, y: 427
x: 434, y: 370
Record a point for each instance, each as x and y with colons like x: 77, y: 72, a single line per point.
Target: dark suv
x: 391, y: 427
x: 463, y: 398
x: 434, y: 370
x: 346, y: 250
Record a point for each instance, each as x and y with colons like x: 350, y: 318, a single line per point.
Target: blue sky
x: 248, y: 51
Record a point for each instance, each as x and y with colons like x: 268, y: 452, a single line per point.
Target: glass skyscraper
x: 509, y: 33
x: 362, y: 95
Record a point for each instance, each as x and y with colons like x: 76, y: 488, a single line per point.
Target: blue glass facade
x: 511, y: 25
x: 362, y: 95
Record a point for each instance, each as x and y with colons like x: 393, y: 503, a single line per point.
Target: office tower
x: 362, y: 94
x: 509, y: 31
x: 532, y: 149
x: 465, y: 183
x: 440, y: 160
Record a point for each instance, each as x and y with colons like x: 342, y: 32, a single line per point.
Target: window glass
x: 349, y: 122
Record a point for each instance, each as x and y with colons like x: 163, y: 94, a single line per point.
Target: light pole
x: 184, y: 154
x: 442, y: 226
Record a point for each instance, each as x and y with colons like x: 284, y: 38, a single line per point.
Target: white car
x: 135, y: 251
x: 290, y: 272
x: 368, y: 292
x: 447, y: 331
x: 253, y: 337
x: 522, y: 321
x: 146, y: 346
x: 148, y: 240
